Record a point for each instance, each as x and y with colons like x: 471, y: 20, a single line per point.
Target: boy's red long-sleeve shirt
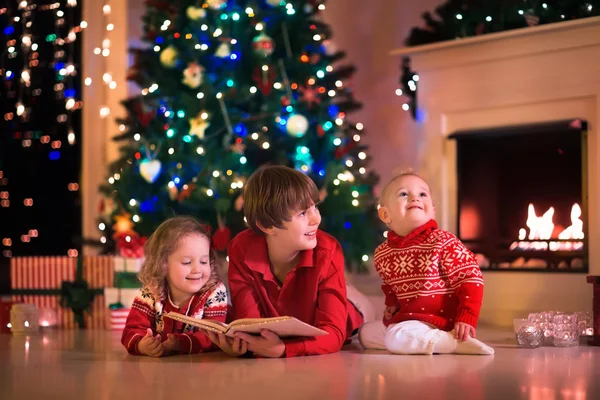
x: 146, y: 312
x: 314, y: 291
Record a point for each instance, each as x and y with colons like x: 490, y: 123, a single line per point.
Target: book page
x: 212, y: 325
x: 252, y: 321
x: 281, y: 326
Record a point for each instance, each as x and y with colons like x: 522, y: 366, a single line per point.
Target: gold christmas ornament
x: 168, y: 57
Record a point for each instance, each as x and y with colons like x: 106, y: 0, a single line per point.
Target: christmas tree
x: 229, y: 86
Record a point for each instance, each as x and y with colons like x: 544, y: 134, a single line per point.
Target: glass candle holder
x: 566, y: 333
x: 24, y: 319
x: 585, y: 323
x: 518, y: 324
x: 530, y: 336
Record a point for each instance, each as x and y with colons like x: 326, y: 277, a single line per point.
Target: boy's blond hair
x: 161, y: 244
x: 273, y: 192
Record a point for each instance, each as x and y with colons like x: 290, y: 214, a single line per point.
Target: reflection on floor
x: 93, y: 365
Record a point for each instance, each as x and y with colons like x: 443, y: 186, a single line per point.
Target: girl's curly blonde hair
x: 161, y: 244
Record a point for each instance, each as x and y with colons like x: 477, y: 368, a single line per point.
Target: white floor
x: 93, y: 365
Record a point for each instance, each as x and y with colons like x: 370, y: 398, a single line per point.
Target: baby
x: 432, y: 283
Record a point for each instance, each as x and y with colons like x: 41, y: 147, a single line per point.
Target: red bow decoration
x: 132, y: 249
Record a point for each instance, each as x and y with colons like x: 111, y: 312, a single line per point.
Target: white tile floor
x: 93, y: 365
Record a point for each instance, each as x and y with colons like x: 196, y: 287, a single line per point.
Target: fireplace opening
x: 522, y: 201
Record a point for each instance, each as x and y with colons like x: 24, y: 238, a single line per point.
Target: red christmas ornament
x: 310, y: 95
x: 238, y: 148
x: 151, y: 35
x: 480, y: 29
x: 264, y: 79
x: 263, y: 45
x: 320, y: 131
x: 221, y: 238
x: 186, y: 192
x: 342, y: 151
x: 144, y: 113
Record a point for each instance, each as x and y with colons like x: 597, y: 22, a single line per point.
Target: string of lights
x: 458, y: 19
x: 40, y: 104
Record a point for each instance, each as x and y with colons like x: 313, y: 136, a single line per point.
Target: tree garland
x: 457, y: 19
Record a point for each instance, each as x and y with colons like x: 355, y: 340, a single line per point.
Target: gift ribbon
x: 77, y: 295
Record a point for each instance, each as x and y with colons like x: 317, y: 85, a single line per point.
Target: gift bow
x: 134, y: 248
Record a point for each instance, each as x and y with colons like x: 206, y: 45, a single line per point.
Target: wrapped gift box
x: 124, y: 297
x: 126, y: 270
x: 35, y: 275
x: 117, y: 319
x: 128, y: 264
x: 116, y: 295
x: 127, y: 280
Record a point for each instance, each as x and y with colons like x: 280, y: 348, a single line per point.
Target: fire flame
x: 575, y: 231
x: 541, y: 228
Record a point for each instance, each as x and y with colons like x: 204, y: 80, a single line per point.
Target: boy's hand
x: 463, y: 331
x: 233, y: 347
x: 171, y: 345
x: 267, y: 344
x: 150, y: 345
x: 390, y: 311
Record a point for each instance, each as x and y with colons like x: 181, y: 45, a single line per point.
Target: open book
x: 281, y: 326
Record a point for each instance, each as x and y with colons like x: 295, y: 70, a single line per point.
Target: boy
x: 432, y: 284
x: 284, y: 265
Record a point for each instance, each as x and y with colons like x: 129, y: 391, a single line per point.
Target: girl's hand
x: 463, y: 331
x: 171, y: 345
x: 150, y: 345
x: 267, y: 344
x: 233, y: 347
x: 390, y: 311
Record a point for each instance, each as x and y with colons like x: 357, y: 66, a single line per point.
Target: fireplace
x: 521, y: 196
x: 514, y: 78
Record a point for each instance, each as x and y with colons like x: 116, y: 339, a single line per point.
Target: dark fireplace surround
x: 500, y: 172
